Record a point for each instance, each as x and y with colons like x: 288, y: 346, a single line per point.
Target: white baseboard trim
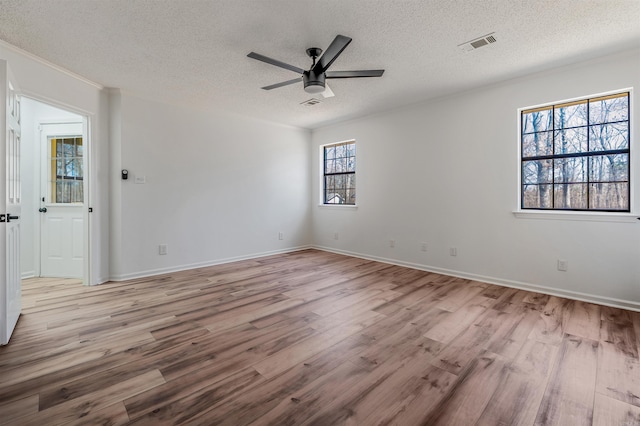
x: 584, y: 297
x: 159, y: 271
x: 28, y: 274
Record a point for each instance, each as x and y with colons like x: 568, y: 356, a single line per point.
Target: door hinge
x: 3, y: 217
x: 90, y: 209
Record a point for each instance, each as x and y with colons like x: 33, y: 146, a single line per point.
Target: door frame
x: 86, y: 119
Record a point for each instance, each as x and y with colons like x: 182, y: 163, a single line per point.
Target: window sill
x: 586, y: 216
x: 339, y: 206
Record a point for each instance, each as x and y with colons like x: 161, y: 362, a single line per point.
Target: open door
x: 10, y: 303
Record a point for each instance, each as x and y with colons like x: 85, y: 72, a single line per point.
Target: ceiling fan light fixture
x: 314, y: 88
x: 313, y: 83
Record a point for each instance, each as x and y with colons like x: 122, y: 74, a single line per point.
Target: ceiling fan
x: 315, y: 78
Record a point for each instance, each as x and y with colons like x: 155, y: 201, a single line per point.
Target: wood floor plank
x: 112, y: 415
x: 436, y: 384
x: 517, y: 398
x: 470, y: 343
x: 310, y: 400
x: 616, y: 315
x: 513, y: 333
x: 608, y: 411
x: 459, y: 320
x: 536, y: 301
x: 570, y: 392
x: 387, y: 395
x: 12, y: 410
x: 282, y: 361
x: 552, y: 321
x: 400, y: 345
x: 253, y: 404
x: 81, y: 407
x: 230, y: 319
x: 618, y: 364
x: 187, y: 409
x: 464, y: 403
x: 77, y: 355
x: 511, y: 300
x: 584, y: 320
x: 465, y: 291
x: 312, y: 337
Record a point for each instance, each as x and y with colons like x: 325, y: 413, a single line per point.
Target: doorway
x: 54, y: 167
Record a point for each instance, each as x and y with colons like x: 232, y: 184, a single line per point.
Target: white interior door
x: 62, y: 197
x: 10, y: 304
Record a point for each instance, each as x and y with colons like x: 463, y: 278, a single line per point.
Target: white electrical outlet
x: 280, y: 236
x: 392, y: 243
x: 563, y: 265
x: 453, y: 251
x: 423, y: 247
x: 336, y: 236
x: 140, y: 179
x: 163, y: 249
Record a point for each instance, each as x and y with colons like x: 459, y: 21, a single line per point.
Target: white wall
x: 46, y: 82
x: 218, y: 187
x: 33, y: 113
x: 445, y: 173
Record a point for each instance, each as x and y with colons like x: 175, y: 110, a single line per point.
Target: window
x: 66, y: 170
x: 339, y: 175
x: 575, y: 155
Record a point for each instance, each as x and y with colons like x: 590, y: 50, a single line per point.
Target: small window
x: 575, y: 155
x: 339, y: 177
x: 67, y: 170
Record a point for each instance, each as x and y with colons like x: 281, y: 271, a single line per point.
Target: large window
x: 339, y: 177
x: 575, y: 155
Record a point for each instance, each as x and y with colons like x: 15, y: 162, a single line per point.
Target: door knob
x: 42, y: 209
x: 11, y: 217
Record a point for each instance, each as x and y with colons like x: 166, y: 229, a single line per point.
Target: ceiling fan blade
x: 275, y: 62
x: 284, y: 83
x: 328, y: 93
x: 331, y: 54
x: 354, y: 74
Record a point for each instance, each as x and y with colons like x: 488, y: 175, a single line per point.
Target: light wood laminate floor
x: 315, y: 338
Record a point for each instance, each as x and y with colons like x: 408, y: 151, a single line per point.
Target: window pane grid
x: 67, y: 171
x: 339, y: 183
x: 575, y: 156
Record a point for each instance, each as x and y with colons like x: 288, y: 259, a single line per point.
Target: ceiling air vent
x: 477, y: 42
x: 311, y: 102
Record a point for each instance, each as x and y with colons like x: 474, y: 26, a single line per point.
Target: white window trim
x: 339, y: 206
x: 321, y: 178
x: 577, y: 216
x: 592, y: 216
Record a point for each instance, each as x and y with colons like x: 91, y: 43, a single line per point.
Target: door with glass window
x: 61, y: 201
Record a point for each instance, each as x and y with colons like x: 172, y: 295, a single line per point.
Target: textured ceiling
x: 194, y: 51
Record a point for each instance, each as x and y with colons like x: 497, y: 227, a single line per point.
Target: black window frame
x: 588, y: 154
x: 348, y: 175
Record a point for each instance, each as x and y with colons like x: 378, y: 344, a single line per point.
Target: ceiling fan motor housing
x: 313, y: 83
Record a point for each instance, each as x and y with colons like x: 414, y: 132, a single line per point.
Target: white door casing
x: 10, y: 203
x: 62, y: 224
